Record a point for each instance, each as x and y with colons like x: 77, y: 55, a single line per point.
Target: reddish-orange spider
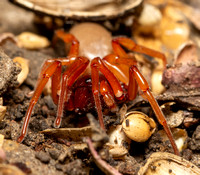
x: 121, y: 76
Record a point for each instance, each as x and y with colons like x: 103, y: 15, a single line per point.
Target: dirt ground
x: 44, y: 154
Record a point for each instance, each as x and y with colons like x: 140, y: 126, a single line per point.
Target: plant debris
x: 80, y: 146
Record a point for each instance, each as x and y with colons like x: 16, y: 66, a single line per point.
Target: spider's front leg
x: 52, y: 67
x: 136, y: 76
x: 49, y: 68
x: 98, y: 65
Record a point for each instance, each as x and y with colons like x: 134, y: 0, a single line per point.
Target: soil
x: 43, y: 154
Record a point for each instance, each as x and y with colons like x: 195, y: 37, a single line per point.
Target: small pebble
x: 75, y: 167
x: 54, y: 154
x: 59, y: 167
x: 3, y: 124
x: 39, y: 124
x: 22, y: 167
x: 43, y: 157
x: 49, y: 102
x: 18, y: 95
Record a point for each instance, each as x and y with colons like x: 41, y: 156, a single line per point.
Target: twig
x: 106, y: 168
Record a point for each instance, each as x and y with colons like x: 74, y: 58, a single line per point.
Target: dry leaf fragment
x: 186, y: 54
x: 73, y: 134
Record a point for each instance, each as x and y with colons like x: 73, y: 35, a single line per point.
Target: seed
x: 138, y: 126
x: 30, y: 40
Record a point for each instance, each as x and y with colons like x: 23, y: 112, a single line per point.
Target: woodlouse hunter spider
x: 121, y: 76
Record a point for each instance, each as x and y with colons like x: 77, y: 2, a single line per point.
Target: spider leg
x: 47, y: 71
x: 108, y: 95
x: 56, y: 77
x: 119, y: 64
x: 67, y: 38
x: 55, y: 84
x: 96, y: 66
x: 116, y: 64
x: 68, y: 78
x: 131, y: 45
x: 142, y: 83
x: 49, y: 68
x: 136, y: 78
x: 132, y: 87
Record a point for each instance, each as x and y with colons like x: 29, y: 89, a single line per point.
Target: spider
x: 112, y: 72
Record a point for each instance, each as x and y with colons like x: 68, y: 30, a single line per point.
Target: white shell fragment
x: 117, y: 139
x: 138, y: 126
x: 156, y: 81
x: 117, y: 152
x: 117, y: 136
x: 30, y: 40
x: 161, y: 163
x: 24, y: 65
